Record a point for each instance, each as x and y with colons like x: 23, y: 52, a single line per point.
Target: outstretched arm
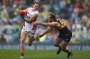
x: 46, y: 24
x: 47, y: 31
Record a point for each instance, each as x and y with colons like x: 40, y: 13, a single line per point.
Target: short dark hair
x: 36, y: 3
x: 53, y: 16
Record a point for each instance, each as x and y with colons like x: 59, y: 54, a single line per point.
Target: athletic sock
x: 22, y: 54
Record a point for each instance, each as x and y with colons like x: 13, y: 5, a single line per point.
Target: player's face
x: 49, y: 18
x: 36, y: 6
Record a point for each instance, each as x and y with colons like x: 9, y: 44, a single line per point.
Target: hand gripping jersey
x: 29, y: 27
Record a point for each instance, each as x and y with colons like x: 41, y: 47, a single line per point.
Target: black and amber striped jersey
x: 62, y: 28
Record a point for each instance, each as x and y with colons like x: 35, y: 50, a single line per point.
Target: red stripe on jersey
x: 34, y: 27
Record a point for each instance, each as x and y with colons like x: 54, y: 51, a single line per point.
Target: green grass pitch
x: 43, y: 54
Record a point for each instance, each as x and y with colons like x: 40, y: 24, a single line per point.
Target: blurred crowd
x: 75, y: 13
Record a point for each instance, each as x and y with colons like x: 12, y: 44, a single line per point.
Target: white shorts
x: 30, y: 31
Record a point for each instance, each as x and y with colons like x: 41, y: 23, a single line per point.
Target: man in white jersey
x: 28, y: 29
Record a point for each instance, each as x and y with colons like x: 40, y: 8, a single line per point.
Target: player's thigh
x: 64, y: 44
x: 31, y: 36
x: 57, y: 41
x: 23, y: 35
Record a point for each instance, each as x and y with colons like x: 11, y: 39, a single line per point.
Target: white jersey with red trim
x: 29, y: 27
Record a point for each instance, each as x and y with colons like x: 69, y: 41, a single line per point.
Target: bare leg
x: 30, y: 40
x: 22, y: 39
x: 63, y: 47
x: 56, y: 43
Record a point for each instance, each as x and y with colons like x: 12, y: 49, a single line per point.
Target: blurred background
x: 75, y: 13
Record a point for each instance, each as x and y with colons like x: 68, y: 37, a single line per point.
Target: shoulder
x: 53, y: 23
x: 29, y: 8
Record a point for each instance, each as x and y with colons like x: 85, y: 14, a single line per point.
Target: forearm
x: 32, y: 19
x: 27, y: 20
x: 44, y: 24
x: 47, y: 31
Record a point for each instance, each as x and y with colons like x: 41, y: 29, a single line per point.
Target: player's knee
x: 21, y: 41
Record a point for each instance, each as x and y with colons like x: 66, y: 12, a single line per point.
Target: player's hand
x: 36, y: 23
x: 21, y: 16
x: 40, y: 35
x: 22, y: 13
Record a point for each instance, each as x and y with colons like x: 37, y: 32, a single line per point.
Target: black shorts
x: 66, y: 37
